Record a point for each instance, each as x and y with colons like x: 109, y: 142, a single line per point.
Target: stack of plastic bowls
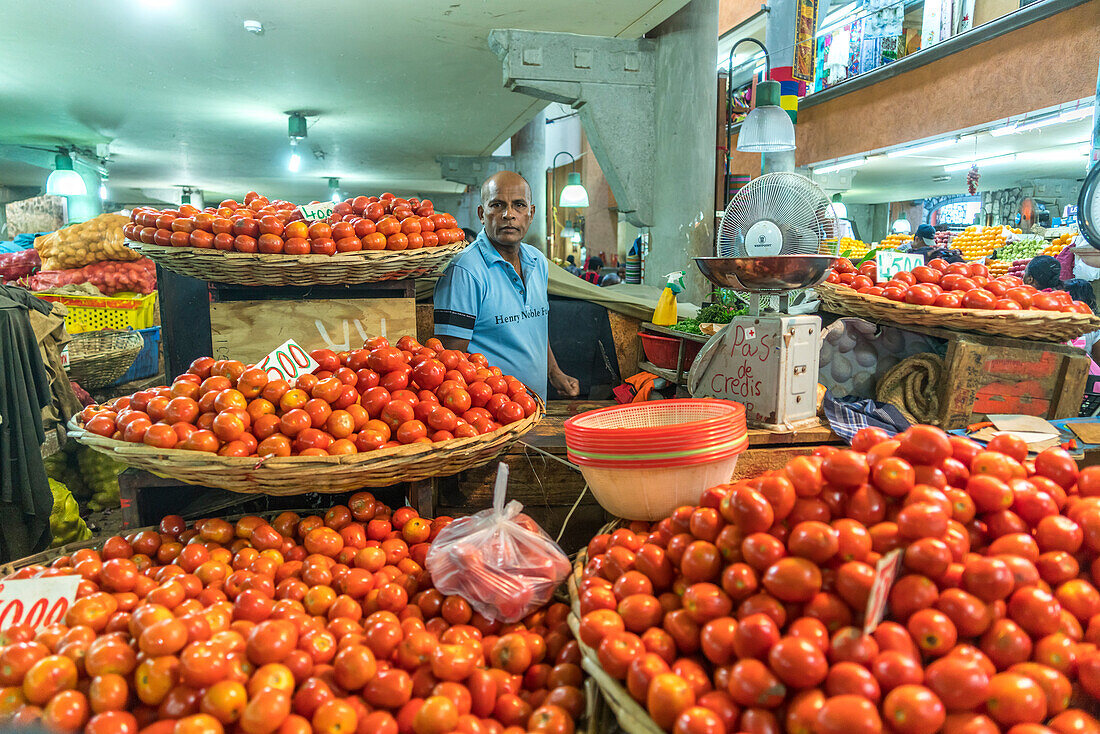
x: 643, y: 460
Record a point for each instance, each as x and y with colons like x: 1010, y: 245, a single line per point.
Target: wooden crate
x: 985, y: 375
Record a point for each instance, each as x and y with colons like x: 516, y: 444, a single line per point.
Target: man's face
x: 507, y: 212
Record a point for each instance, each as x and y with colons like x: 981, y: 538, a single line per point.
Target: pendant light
x: 567, y: 230
x: 334, y: 190
x: 768, y: 127
x: 64, y: 181
x: 574, y: 195
x: 901, y: 225
x: 297, y: 131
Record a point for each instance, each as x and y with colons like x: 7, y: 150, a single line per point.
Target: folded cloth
x: 848, y: 415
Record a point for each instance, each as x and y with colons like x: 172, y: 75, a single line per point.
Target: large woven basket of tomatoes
x: 959, y: 296
x: 912, y: 584
x: 366, y: 239
x: 371, y: 417
x: 280, y: 624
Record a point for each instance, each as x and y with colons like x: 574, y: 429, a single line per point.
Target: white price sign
x: 36, y: 602
x: 288, y: 362
x: 316, y: 212
x: 890, y: 263
x: 886, y: 570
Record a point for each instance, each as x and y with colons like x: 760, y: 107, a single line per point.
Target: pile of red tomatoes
x: 380, y: 396
x: 747, y: 613
x: 383, y: 222
x: 954, y: 285
x: 308, y: 624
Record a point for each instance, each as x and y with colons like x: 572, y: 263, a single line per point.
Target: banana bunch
x: 101, y: 476
x: 66, y: 525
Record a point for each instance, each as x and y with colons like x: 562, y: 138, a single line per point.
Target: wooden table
x: 549, y: 489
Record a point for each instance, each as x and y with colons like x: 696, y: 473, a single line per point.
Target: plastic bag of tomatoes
x: 498, y: 559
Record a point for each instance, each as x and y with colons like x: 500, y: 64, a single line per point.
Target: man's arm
x: 563, y: 383
x: 456, y: 305
x: 453, y: 342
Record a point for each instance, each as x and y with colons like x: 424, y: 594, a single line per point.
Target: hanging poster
x: 805, y: 41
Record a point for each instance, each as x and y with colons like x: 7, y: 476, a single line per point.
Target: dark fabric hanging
x: 25, y: 497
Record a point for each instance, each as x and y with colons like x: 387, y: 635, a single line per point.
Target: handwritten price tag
x: 288, y: 362
x: 889, y: 263
x: 316, y: 212
x: 36, y: 602
x: 886, y: 570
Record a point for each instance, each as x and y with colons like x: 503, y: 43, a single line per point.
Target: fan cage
x: 796, y: 205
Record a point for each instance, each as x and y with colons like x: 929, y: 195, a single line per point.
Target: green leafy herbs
x: 725, y: 305
x: 687, y: 326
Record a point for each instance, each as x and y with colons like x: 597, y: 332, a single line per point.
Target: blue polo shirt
x: 481, y: 298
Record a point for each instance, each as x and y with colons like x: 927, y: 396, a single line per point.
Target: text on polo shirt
x: 531, y: 313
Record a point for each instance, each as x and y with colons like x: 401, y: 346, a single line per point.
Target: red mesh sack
x: 19, y: 264
x: 110, y: 277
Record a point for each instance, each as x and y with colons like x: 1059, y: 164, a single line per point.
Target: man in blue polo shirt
x: 492, y: 298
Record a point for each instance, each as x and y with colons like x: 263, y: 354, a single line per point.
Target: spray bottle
x: 665, y: 313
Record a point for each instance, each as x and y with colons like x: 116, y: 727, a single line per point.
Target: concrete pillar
x: 529, y: 151
x: 685, y: 100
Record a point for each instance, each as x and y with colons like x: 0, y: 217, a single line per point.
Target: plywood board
x: 249, y: 330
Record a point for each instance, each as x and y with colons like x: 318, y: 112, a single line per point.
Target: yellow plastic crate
x: 93, y: 313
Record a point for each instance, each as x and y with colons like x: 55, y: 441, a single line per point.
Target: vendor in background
x: 1044, y: 273
x: 571, y: 266
x: 1081, y: 290
x: 493, y: 298
x: 592, y: 270
x: 923, y: 239
x: 924, y: 243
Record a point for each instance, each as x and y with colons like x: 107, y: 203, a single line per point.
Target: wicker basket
x: 345, y: 268
x: 98, y: 358
x: 632, y: 716
x: 1034, y: 325
x: 291, y: 475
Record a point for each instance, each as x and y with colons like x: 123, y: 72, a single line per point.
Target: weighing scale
x: 776, y: 237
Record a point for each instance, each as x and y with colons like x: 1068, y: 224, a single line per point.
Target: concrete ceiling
x: 1053, y: 152
x: 186, y: 97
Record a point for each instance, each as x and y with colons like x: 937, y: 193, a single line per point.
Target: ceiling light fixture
x: 840, y: 166
x: 254, y: 27
x: 1008, y: 129
x: 64, y: 181
x: 901, y: 225
x: 768, y: 127
x: 103, y: 193
x: 567, y: 230
x: 334, y: 190
x: 574, y: 195
x: 1036, y: 124
x: 917, y: 149
x: 1075, y: 114
x: 295, y: 162
x: 965, y: 166
x: 297, y: 131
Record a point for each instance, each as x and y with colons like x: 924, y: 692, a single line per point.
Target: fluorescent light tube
x: 916, y: 149
x: 832, y: 167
